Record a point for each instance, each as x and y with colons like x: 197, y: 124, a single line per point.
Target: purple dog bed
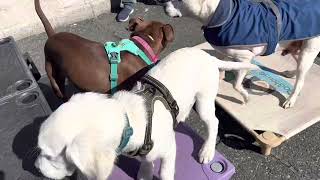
x: 187, y: 166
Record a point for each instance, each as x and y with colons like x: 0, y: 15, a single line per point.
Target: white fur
x: 171, y: 10
x: 85, y: 131
x: 203, y: 9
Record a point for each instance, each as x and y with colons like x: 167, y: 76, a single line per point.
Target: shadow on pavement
x: 232, y: 134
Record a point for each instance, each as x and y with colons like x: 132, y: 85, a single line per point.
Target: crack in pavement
x: 287, y: 164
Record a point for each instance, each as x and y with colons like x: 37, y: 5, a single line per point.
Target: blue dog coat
x: 238, y: 23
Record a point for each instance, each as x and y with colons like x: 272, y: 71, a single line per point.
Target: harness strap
x: 148, y: 143
x: 277, y: 13
x: 270, y: 3
x: 173, y: 106
x: 113, y: 51
x: 154, y: 91
x: 275, y: 10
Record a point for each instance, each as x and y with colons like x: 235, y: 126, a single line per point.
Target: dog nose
x: 136, y: 20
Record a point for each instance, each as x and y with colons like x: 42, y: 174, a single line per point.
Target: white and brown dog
x: 243, y: 29
x: 86, y: 131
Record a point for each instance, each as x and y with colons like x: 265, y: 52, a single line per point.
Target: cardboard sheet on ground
x: 267, y: 91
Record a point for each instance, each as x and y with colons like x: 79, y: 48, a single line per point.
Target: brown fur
x: 293, y: 48
x: 85, y: 63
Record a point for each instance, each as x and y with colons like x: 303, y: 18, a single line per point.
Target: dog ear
x: 93, y: 163
x: 168, y: 33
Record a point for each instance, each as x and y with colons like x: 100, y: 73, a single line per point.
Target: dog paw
x: 244, y: 93
x: 289, y: 103
x: 145, y: 171
x: 289, y: 74
x: 246, y: 100
x: 206, y: 154
x: 142, y: 176
x: 172, y: 11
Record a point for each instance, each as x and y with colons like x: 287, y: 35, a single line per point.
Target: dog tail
x: 228, y: 65
x: 43, y: 18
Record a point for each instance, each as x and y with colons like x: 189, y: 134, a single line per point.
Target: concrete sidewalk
x: 19, y: 19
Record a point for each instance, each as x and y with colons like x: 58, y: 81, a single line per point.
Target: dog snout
x: 134, y: 22
x: 136, y: 19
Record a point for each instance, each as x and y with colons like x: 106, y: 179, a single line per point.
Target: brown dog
x: 85, y: 63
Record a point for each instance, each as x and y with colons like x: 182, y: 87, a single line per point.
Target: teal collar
x: 126, y: 134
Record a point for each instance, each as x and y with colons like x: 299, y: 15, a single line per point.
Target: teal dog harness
x: 113, y: 51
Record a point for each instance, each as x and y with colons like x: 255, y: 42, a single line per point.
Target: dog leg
x: 61, y: 79
x: 289, y: 74
x: 206, y: 108
x: 51, y: 76
x: 242, y: 56
x: 224, y: 58
x: 238, y: 85
x: 146, y: 170
x: 168, y: 161
x: 221, y: 75
x: 308, y: 54
x: 171, y: 10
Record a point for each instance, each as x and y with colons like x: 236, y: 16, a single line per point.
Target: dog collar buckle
x: 114, y: 58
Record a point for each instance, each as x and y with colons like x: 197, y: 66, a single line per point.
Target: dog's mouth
x: 135, y: 34
x: 147, y: 37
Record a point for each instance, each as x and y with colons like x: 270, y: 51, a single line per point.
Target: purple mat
x: 187, y: 166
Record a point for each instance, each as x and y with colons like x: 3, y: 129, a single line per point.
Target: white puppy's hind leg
x: 145, y: 170
x: 308, y: 54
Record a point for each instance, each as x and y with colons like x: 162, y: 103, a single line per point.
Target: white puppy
x: 205, y: 9
x: 86, y: 131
